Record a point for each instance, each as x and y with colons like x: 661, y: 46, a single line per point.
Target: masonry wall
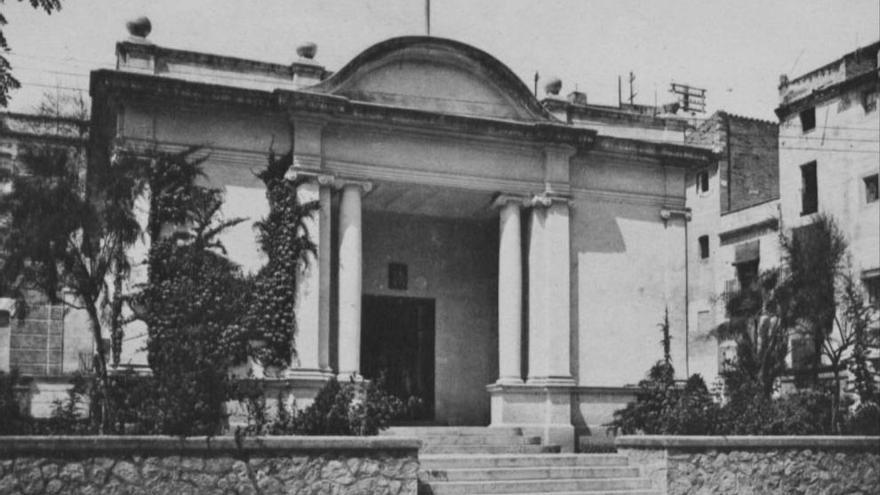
x: 628, y: 268
x: 753, y: 174
x: 736, y: 465
x: 290, y: 465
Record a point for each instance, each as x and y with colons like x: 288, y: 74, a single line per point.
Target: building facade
x: 734, y: 233
x: 509, y: 267
x: 829, y: 153
x: 47, y: 342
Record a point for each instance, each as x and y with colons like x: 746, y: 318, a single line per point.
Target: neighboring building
x: 829, y: 160
x: 520, y: 264
x: 734, y: 231
x: 48, y: 342
x: 829, y: 153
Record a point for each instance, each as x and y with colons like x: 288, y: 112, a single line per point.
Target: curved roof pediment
x: 435, y: 75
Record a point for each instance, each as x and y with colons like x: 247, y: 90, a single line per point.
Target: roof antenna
x: 427, y: 17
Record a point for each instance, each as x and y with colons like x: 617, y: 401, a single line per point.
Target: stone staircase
x: 478, y: 460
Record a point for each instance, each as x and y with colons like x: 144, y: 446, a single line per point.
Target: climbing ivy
x: 284, y: 238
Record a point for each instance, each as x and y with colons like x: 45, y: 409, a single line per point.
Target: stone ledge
x: 140, y: 445
x: 685, y: 442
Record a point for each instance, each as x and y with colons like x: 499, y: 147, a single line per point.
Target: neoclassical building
x: 502, y: 265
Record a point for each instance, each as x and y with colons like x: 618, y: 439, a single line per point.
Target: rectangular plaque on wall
x: 397, y: 276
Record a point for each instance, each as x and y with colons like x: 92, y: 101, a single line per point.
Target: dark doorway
x: 398, y: 344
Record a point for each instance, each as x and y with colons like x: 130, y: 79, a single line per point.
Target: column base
x: 292, y: 388
x: 350, y: 377
x: 509, y: 380
x: 539, y: 410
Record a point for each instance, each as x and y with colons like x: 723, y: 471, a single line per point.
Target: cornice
x: 625, y: 197
x: 817, y: 96
x: 107, y: 82
x: 667, y: 153
x: 390, y: 174
x: 767, y: 225
x: 356, y: 111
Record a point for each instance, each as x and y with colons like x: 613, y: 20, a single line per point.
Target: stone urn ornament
x: 307, y: 50
x: 139, y: 27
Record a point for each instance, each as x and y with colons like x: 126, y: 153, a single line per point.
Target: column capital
x: 294, y: 173
x: 668, y: 212
x: 306, y: 161
x: 504, y: 199
x: 342, y: 183
x: 545, y: 200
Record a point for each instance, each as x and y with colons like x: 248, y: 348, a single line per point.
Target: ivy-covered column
x: 350, y: 277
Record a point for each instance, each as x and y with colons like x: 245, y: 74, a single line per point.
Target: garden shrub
x: 865, y: 420
x: 352, y: 409
x: 695, y: 412
x: 662, y: 408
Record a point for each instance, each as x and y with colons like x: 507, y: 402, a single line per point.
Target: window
x: 704, y: 246
x: 703, y: 182
x: 747, y: 274
x: 808, y: 119
x: 871, y: 191
x: 809, y: 189
x: 869, y: 101
x: 35, y: 342
x: 398, y: 278
x: 872, y: 286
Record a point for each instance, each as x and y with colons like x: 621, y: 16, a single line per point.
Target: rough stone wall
x: 342, y: 473
x: 793, y: 471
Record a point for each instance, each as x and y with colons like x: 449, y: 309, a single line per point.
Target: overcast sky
x: 734, y: 49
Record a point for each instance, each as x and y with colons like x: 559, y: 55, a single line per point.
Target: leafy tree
x: 759, y: 320
x: 850, y: 340
x: 68, y: 239
x: 814, y: 259
x: 7, y: 81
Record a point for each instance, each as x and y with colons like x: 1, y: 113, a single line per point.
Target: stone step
x: 528, y: 473
x: 476, y: 461
x: 479, y: 440
x: 538, y: 486
x: 591, y: 492
x: 429, y: 448
x: 434, y: 431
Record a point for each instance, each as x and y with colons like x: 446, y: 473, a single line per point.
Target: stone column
x: 312, y: 307
x: 549, y: 292
x: 509, y: 291
x: 350, y: 278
